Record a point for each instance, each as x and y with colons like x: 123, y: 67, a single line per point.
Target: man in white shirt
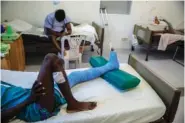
x: 57, y: 24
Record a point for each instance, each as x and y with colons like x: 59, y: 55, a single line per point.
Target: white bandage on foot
x: 110, y: 45
x: 59, y: 77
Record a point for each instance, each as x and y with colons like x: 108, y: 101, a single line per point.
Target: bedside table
x: 16, y: 54
x: 5, y: 62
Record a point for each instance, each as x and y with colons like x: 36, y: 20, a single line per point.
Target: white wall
x: 120, y: 26
x: 35, y: 12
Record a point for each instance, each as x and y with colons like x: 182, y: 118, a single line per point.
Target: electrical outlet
x: 124, y: 39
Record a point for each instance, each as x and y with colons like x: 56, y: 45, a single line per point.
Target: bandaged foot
x: 113, y: 60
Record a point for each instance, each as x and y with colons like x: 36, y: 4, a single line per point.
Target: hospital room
x: 92, y: 61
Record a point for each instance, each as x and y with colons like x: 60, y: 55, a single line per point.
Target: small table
x: 5, y: 62
x: 16, y: 55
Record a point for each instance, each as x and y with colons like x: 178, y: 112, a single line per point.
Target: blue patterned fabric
x: 12, y: 95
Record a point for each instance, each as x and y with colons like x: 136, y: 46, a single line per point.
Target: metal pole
x: 106, y: 24
x: 103, y: 20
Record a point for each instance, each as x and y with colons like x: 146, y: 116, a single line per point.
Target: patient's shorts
x: 12, y: 95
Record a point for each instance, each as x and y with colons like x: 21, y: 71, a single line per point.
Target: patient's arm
x: 10, y: 113
x: 54, y: 35
x: 37, y: 91
x: 55, y: 42
x: 57, y: 34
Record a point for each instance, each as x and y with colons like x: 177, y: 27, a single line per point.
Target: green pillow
x: 118, y: 78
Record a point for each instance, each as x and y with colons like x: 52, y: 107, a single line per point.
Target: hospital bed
x: 39, y: 43
x: 36, y: 42
x: 148, y: 35
x: 154, y: 100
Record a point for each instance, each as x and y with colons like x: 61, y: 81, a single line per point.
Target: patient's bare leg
x: 52, y: 64
x: 73, y: 104
x: 45, y: 76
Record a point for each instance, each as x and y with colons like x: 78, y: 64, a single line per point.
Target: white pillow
x: 19, y: 25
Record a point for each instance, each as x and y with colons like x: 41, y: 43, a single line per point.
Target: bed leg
x: 148, y: 51
x: 146, y: 59
x: 132, y: 48
x: 92, y: 48
x: 175, y: 52
x: 101, y: 51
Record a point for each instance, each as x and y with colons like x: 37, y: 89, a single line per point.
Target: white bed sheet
x: 155, y: 27
x: 139, y: 105
x: 26, y: 28
x: 87, y: 30
x: 90, y: 35
x: 35, y: 31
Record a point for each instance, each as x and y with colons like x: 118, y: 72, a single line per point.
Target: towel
x: 167, y: 39
x: 4, y: 48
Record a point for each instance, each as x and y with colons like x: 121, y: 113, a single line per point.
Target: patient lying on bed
x: 50, y: 90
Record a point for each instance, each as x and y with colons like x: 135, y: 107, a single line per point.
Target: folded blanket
x: 4, y: 48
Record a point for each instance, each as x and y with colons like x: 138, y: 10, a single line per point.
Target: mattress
x: 24, y: 27
x: 35, y: 31
x: 138, y: 105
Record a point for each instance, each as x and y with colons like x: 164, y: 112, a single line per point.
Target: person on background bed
x: 50, y: 90
x: 57, y: 24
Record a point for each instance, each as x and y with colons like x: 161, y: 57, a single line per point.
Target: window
x: 116, y: 7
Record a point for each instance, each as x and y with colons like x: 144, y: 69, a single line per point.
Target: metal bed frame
x: 148, y: 38
x: 168, y: 93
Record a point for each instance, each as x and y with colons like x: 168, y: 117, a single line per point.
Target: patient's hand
x: 65, y: 53
x: 37, y: 91
x: 63, y: 34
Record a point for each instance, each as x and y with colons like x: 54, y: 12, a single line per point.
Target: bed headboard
x: 100, y: 33
x: 169, y: 94
x: 143, y: 34
x: 99, y: 30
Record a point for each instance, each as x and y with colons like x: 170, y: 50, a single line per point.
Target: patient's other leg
x: 45, y: 76
x: 53, y: 63
x: 73, y: 104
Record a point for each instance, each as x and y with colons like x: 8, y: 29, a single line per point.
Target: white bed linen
x: 167, y: 39
x: 155, y: 27
x: 19, y: 25
x: 139, y: 105
x: 87, y: 30
x: 26, y: 28
x: 35, y: 31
